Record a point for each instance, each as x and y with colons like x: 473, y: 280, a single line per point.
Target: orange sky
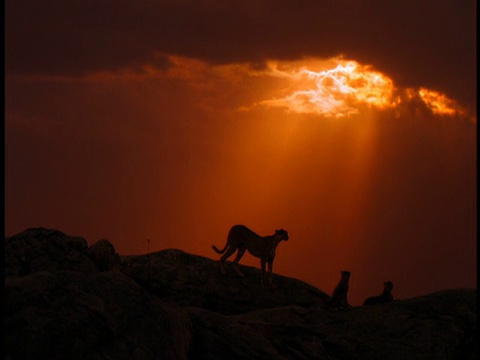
x: 157, y: 137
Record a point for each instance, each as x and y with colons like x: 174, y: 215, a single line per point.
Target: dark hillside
x: 174, y: 305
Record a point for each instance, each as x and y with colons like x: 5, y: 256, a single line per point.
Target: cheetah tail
x: 220, y: 251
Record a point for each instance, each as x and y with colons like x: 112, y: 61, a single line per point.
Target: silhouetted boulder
x: 75, y: 315
x: 40, y: 249
x: 104, y: 256
x: 174, y: 305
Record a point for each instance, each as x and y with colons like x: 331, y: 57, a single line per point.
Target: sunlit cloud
x: 331, y: 88
x: 334, y: 92
x: 342, y: 90
x: 439, y: 103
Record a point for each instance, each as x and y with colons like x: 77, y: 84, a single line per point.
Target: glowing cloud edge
x: 342, y: 90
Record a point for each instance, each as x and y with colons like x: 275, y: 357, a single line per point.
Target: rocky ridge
x: 64, y: 299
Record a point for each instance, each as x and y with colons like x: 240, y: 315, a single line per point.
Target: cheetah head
x: 282, y: 234
x: 345, y: 275
x: 388, y: 285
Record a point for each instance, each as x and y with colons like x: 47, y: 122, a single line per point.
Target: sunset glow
x: 439, y: 103
x: 330, y: 88
x: 342, y: 90
x: 335, y: 92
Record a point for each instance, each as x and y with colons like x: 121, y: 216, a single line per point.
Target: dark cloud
x: 418, y: 43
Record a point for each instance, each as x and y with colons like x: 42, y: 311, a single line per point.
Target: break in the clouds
x: 333, y: 87
x: 342, y: 90
x: 422, y: 43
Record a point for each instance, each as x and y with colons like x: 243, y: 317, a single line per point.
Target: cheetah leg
x: 224, y: 258
x: 270, y: 277
x: 262, y: 265
x: 240, y: 253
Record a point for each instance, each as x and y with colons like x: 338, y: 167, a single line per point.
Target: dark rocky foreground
x: 64, y: 300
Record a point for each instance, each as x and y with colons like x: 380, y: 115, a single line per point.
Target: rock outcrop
x: 104, y: 256
x: 62, y: 302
